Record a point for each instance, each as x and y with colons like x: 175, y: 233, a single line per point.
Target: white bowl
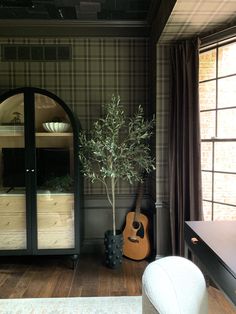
x: 56, y: 126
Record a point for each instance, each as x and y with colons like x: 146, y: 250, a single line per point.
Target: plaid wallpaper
x: 162, y: 123
x: 98, y: 68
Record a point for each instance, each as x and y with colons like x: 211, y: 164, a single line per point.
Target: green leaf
x: 117, y: 147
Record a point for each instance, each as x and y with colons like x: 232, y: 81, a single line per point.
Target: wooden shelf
x: 46, y: 134
x: 53, y: 134
x: 13, y: 134
x: 43, y: 139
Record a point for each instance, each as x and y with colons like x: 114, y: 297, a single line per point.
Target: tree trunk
x: 113, y: 205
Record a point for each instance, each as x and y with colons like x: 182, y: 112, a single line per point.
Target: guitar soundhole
x: 136, y: 224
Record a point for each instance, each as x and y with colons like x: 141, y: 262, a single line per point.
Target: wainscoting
x: 98, y: 216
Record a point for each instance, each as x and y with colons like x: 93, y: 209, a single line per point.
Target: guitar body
x: 136, y: 240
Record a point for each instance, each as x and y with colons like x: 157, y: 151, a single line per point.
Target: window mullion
x: 213, y: 143
x: 217, y: 65
x: 212, y: 180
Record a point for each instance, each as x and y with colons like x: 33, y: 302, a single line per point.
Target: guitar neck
x: 138, y: 201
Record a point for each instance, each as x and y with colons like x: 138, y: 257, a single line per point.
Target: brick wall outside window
x: 217, y: 94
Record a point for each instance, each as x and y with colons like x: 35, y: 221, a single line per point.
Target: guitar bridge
x: 132, y: 239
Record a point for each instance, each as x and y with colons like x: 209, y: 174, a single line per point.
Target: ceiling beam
x: 61, y: 28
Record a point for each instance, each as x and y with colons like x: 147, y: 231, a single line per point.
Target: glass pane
x: 207, y: 123
x: 207, y: 185
x: 207, y: 209
x: 225, y: 188
x: 225, y: 153
x: 12, y: 178
x: 224, y: 212
x: 206, y: 156
x: 207, y: 67
x: 227, y: 92
x: 227, y: 123
x: 207, y: 95
x: 55, y: 175
x: 227, y: 60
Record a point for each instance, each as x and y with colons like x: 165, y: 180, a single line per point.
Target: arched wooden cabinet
x: 40, y: 193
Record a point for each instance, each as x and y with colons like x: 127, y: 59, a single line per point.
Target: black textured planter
x: 113, y: 248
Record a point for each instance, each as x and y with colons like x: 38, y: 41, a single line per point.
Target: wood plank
x: 16, y: 222
x: 56, y: 240
x: 22, y: 284
x: 12, y: 280
x: 42, y: 277
x: 12, y: 203
x: 64, y: 282
x: 6, y: 269
x: 55, y: 203
x: 218, y: 304
x: 13, y: 240
x: 86, y: 278
x: 55, y: 222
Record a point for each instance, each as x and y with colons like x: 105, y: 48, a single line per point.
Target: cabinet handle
x: 194, y: 241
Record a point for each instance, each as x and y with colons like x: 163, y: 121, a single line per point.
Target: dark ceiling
x: 89, y: 10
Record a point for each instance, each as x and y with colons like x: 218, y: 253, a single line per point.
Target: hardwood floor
x: 53, y: 277
x: 218, y: 303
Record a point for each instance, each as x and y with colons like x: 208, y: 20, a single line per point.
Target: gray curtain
x: 184, y: 154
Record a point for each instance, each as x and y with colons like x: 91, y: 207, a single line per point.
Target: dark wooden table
x: 214, y: 244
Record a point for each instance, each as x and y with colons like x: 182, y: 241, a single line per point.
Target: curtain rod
x: 224, y: 34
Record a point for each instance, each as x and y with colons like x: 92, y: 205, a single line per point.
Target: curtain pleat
x: 184, y: 151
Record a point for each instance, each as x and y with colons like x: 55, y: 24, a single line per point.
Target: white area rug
x: 81, y: 305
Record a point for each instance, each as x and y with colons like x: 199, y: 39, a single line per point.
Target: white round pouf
x: 174, y: 285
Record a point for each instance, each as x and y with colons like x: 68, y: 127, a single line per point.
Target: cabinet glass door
x: 54, y: 175
x: 13, y: 234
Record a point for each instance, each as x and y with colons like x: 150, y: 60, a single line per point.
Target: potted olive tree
x: 116, y: 148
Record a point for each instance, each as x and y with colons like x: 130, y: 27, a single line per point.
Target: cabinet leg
x: 74, y: 259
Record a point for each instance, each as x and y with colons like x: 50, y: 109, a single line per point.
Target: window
x: 217, y: 95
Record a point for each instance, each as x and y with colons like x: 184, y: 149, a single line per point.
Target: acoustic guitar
x: 136, y: 239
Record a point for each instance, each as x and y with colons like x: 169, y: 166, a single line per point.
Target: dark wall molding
x: 50, y: 28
